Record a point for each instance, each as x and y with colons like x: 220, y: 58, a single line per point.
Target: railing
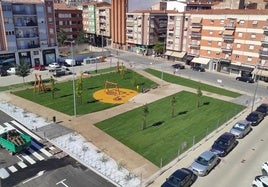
x: 230, y: 26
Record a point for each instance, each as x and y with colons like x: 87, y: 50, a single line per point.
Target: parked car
x: 198, y: 68
x: 204, y: 163
x: 260, y: 181
x: 224, y: 144
x: 181, y: 178
x: 11, y: 70
x: 264, y: 168
x: 255, y: 118
x: 40, y: 67
x: 61, y: 72
x: 245, y: 79
x: 3, y: 173
x: 54, y: 65
x: 178, y: 66
x: 263, y: 108
x: 241, y: 128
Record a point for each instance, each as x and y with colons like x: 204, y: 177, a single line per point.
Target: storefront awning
x: 196, y: 20
x: 228, y: 32
x: 260, y: 72
x: 201, y: 60
x: 178, y: 54
x: 168, y: 53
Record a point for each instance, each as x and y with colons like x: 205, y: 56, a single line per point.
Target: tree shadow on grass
x: 158, y: 123
x: 92, y: 88
x: 182, y: 112
x: 93, y: 101
x: 66, y: 95
x: 206, y: 103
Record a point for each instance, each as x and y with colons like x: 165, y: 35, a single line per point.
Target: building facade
x: 145, y: 28
x: 176, y: 36
x: 229, y: 41
x: 118, y: 23
x: 27, y: 33
x: 68, y: 20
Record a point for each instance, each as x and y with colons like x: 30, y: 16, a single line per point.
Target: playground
x: 113, y: 94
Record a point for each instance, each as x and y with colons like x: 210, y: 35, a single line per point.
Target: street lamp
x: 255, y: 92
x: 72, y: 54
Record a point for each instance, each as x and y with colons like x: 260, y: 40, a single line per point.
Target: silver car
x: 204, y: 163
x: 241, y: 129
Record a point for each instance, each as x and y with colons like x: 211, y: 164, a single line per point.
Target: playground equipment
x: 39, y: 83
x: 111, y: 88
x: 119, y: 68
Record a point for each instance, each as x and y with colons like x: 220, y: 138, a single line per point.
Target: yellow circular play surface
x: 114, y: 96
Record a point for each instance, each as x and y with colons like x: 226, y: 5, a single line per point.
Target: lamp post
x: 256, y: 88
x: 74, y: 95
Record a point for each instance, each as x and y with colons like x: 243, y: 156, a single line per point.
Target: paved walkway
x: 85, y: 124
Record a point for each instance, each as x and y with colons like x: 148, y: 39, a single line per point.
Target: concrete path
x: 85, y: 124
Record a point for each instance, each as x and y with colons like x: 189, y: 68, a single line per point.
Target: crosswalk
x: 35, y: 153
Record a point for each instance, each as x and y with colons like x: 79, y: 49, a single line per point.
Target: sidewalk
x: 84, y: 125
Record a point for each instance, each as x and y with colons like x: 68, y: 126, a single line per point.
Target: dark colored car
x: 224, y: 144
x: 178, y: 66
x: 263, y: 108
x: 255, y: 118
x: 245, y: 79
x: 181, y: 178
x: 3, y: 73
x: 198, y: 68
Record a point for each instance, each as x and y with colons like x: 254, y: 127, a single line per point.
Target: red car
x: 39, y: 67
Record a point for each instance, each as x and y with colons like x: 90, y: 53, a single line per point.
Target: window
x: 51, y: 31
x: 209, y: 52
x: 49, y: 9
x: 222, y: 21
x: 253, y: 35
x: 211, y: 21
x: 50, y: 20
x: 219, y: 43
x: 251, y: 47
x: 210, y: 32
x: 209, y: 42
x: 241, y: 22
x: 236, y: 56
x: 238, y: 46
x: 240, y: 34
x: 36, y: 52
x: 249, y: 58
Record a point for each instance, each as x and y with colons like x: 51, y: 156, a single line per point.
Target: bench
x: 144, y: 90
x: 154, y: 86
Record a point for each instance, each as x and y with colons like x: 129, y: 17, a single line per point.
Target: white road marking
x: 40, y: 173
x: 34, y: 153
x: 48, y: 154
x: 62, y: 182
x: 22, y: 164
x: 29, y: 159
x: 12, y: 169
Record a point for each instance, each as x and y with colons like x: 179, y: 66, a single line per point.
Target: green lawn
x: 164, y: 136
x: 63, y: 100
x: 192, y: 84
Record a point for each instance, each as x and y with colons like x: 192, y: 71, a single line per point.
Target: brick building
x: 27, y: 32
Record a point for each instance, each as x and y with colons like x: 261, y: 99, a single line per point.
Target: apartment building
x: 144, y: 28
x: 118, y: 23
x: 96, y: 22
x: 176, y: 36
x: 229, y: 41
x: 68, y: 20
x: 27, y: 32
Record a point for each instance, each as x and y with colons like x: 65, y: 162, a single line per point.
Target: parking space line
x: 12, y: 169
x: 22, y: 164
x: 29, y: 159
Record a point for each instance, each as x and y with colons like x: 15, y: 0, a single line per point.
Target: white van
x: 70, y: 62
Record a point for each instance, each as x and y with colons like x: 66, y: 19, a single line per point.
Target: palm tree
x: 145, y: 113
x: 173, y: 101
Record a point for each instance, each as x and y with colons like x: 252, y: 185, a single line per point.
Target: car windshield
x: 221, y: 142
x: 202, y: 161
x: 239, y: 127
x: 253, y: 116
x: 173, y: 180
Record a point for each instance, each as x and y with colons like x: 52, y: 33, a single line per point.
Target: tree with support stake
x: 79, y: 88
x: 173, y: 101
x: 52, y: 84
x: 199, y: 95
x: 145, y: 113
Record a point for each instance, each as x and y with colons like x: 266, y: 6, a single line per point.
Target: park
x: 165, y: 135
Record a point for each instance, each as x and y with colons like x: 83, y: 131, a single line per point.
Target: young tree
x: 173, y: 101
x: 22, y: 70
x: 81, y: 37
x: 159, y: 47
x: 61, y: 36
x: 199, y: 95
x: 53, y: 89
x: 145, y: 113
x: 79, y: 88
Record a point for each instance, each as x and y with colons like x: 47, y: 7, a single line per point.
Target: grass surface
x: 165, y: 136
x: 193, y: 84
x: 63, y: 100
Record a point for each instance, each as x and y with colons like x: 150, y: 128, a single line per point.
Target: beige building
x: 144, y: 28
x: 103, y: 20
x: 229, y: 41
x: 176, y: 36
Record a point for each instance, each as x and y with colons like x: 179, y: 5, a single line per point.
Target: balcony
x: 265, y: 28
x: 264, y: 41
x: 228, y: 38
x: 226, y: 49
x: 263, y: 53
x: 230, y: 26
x: 194, y: 45
x: 195, y: 35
